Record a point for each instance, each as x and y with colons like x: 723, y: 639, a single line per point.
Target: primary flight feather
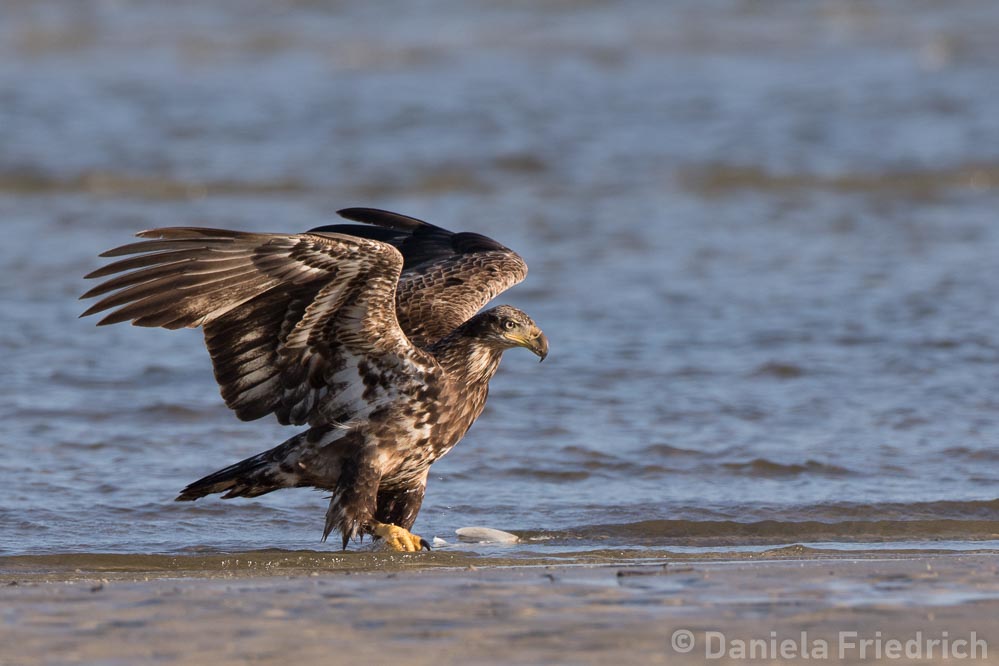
x: 367, y: 334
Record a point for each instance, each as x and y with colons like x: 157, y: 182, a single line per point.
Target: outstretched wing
x: 300, y: 325
x: 447, y: 277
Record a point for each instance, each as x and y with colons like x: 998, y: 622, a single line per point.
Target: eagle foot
x: 399, y: 539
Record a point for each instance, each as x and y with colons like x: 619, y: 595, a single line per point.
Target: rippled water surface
x: 763, y: 241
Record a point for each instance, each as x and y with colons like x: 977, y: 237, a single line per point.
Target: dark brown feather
x: 447, y: 277
x: 283, y: 314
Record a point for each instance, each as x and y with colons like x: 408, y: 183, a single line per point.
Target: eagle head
x: 505, y: 327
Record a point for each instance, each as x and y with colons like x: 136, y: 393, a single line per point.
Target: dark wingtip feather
x: 91, y: 310
x: 100, y: 289
x: 122, y: 265
x: 160, y: 232
x: 175, y: 239
x: 192, y: 233
x: 115, y: 317
x: 132, y: 248
x: 383, y: 218
x: 467, y: 242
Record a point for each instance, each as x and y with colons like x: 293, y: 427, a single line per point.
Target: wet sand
x: 278, y: 608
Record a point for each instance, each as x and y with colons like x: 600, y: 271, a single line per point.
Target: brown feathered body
x: 368, y: 335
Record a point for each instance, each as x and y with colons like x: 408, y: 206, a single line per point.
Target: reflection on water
x: 762, y: 241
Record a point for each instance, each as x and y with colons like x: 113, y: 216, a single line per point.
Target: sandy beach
x: 791, y: 604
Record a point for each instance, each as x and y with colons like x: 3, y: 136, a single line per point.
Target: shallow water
x: 762, y: 242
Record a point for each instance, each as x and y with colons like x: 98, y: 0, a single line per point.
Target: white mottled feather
x: 286, y: 317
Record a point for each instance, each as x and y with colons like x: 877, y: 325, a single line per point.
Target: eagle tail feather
x: 255, y: 476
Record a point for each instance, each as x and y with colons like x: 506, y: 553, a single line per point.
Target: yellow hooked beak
x: 536, y: 342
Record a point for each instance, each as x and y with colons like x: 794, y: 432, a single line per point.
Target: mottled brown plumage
x: 368, y: 334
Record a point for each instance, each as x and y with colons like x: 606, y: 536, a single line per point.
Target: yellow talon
x: 399, y: 539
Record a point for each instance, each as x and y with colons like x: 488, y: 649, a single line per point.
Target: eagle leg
x: 398, y: 538
x: 399, y: 501
x: 352, y: 506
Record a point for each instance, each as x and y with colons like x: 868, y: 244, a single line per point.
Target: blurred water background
x: 763, y: 241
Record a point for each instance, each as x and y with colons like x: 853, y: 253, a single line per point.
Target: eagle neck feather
x: 466, y: 359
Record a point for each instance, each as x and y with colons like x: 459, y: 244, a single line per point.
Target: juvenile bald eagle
x: 367, y: 334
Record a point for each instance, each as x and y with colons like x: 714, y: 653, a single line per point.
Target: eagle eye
x: 509, y: 324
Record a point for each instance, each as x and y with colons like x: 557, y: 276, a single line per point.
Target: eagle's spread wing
x: 446, y: 278
x: 301, y: 325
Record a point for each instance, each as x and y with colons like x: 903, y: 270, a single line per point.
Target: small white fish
x: 438, y: 542
x: 485, y: 535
